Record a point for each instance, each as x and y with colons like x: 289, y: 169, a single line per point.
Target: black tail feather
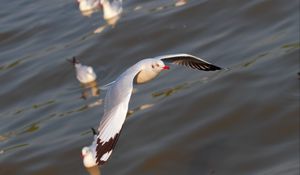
x: 74, y: 60
x: 94, y: 131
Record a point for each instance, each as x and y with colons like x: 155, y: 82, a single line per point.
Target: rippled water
x: 244, y: 120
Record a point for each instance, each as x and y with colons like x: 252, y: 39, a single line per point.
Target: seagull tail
x: 94, y: 131
x: 74, y: 61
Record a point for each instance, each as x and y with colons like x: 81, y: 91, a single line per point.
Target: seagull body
x: 85, y: 74
x: 88, y: 5
x: 111, y: 9
x: 119, y: 93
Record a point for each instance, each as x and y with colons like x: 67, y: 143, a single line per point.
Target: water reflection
x: 291, y: 46
x: 286, y: 48
x: 88, y: 13
x: 14, y: 147
x: 10, y: 65
x: 34, y: 106
x: 142, y: 107
x: 93, y: 170
x: 32, y: 128
x: 169, y: 91
x: 162, y: 6
x: 2, y: 138
x: 90, y: 90
x: 7, y: 135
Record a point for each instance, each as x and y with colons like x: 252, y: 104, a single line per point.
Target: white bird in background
x: 111, y: 13
x: 180, y: 2
x: 119, y: 93
x: 88, y: 5
x: 85, y: 74
x: 111, y: 9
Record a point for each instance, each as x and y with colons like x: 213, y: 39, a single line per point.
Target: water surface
x: 244, y: 120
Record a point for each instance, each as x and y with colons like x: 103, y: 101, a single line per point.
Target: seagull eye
x: 152, y: 66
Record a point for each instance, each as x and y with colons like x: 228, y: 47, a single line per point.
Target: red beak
x: 166, y: 67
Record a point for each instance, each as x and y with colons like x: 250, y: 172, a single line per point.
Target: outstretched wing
x: 115, y: 111
x: 189, y: 61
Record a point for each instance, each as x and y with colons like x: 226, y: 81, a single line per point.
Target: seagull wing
x: 115, y: 111
x: 189, y: 61
x: 107, y: 86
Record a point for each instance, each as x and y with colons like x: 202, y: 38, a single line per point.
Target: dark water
x: 244, y: 120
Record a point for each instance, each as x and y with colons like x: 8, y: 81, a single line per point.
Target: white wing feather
x: 115, y: 111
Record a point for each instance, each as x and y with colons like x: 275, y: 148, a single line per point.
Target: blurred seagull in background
x: 88, y: 5
x: 119, y: 93
x: 85, y: 74
x: 111, y: 9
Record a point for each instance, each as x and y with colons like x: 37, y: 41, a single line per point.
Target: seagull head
x: 149, y: 69
x: 156, y: 65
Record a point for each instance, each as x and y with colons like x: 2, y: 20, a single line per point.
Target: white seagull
x: 85, y: 74
x: 119, y: 93
x: 111, y: 9
x: 88, y: 5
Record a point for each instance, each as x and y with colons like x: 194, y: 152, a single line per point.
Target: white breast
x: 145, y: 76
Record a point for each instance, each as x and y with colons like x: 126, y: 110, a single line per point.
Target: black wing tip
x: 105, y: 147
x: 214, y: 68
x: 208, y: 67
x: 73, y: 60
x: 94, y: 131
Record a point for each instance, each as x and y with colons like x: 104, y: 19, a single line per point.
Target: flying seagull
x: 119, y: 93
